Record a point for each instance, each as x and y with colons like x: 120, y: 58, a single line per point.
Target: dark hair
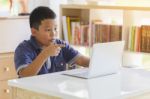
x: 39, y: 14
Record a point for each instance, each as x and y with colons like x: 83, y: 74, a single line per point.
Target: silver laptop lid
x: 106, y: 58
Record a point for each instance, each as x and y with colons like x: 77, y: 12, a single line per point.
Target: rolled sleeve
x: 22, y: 58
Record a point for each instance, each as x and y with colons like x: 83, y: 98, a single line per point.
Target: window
x: 4, y: 7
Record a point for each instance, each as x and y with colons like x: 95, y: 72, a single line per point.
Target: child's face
x: 46, y: 32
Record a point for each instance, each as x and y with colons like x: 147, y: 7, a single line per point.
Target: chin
x: 46, y: 44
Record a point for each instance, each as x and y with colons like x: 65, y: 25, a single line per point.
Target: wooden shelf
x: 126, y: 15
x: 119, y: 7
x: 13, y: 17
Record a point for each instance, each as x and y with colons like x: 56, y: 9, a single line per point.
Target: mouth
x: 52, y: 41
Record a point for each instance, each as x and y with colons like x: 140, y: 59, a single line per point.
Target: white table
x: 127, y: 84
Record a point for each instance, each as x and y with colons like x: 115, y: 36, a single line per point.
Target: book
x: 104, y: 32
x: 144, y: 29
x: 71, y: 19
x: 76, y: 33
x: 137, y: 39
x: 115, y: 32
x: 148, y: 40
x: 132, y: 38
x: 65, y: 29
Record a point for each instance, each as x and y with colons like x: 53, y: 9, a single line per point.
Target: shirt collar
x: 35, y: 43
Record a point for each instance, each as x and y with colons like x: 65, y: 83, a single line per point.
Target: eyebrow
x: 50, y: 26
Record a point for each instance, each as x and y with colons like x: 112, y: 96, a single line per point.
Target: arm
x: 35, y: 66
x: 82, y: 61
x: 73, y: 56
x: 37, y: 63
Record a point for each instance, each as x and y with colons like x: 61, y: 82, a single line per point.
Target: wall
x: 12, y: 32
x: 54, y: 5
x: 34, y: 3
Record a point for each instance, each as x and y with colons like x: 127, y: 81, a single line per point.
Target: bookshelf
x: 126, y: 16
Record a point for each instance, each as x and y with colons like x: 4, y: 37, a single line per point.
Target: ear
x: 33, y: 31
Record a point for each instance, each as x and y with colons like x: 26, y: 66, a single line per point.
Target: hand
x: 53, y: 49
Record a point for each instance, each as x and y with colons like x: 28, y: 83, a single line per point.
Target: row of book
x: 71, y: 26
x: 77, y: 33
x: 139, y: 38
x: 105, y: 32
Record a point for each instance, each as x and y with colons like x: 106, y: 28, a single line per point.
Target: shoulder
x: 24, y: 46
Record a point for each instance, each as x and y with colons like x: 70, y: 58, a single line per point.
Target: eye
x: 51, y: 30
x: 55, y: 29
x: 48, y: 30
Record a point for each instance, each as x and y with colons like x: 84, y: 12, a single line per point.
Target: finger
x: 51, y: 43
x: 58, y: 48
x: 57, y: 53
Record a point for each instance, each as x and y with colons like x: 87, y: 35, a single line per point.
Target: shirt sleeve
x: 22, y: 58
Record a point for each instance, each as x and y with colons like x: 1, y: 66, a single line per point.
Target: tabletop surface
x: 128, y: 82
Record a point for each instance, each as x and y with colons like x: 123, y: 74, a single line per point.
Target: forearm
x: 35, y: 66
x: 83, y: 61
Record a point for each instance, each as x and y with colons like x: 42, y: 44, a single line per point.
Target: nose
x: 52, y: 33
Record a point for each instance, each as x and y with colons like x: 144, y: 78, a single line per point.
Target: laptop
x: 106, y: 58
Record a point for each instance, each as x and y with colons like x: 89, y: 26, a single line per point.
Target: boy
x: 43, y: 53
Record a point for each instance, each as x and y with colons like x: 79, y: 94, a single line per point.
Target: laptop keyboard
x: 82, y: 74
